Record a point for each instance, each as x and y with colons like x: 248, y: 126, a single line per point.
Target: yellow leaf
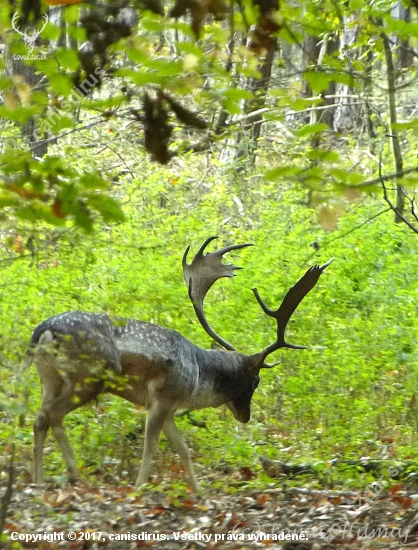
x: 328, y: 217
x: 10, y: 100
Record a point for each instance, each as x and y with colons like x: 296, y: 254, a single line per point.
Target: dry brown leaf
x: 328, y: 217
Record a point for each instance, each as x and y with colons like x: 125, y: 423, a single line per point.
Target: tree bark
x: 394, y: 136
x: 347, y: 112
x: 404, y: 52
x: 38, y: 147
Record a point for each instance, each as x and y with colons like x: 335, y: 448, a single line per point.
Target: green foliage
x: 202, y: 67
x: 351, y: 394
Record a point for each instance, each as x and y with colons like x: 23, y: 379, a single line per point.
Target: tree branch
x: 381, y: 178
x: 399, y: 215
x: 346, y: 233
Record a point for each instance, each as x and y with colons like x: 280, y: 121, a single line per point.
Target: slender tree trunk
x: 249, y: 136
x: 331, y: 45
x: 404, y: 53
x: 394, y: 136
x: 310, y: 53
x: 38, y: 146
x: 347, y: 113
x: 368, y: 88
x: 36, y: 81
x: 260, y: 88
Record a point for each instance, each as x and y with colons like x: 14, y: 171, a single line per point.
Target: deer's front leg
x: 175, y: 437
x: 157, y: 415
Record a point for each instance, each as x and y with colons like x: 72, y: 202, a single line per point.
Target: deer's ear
x: 214, y: 345
x: 257, y: 362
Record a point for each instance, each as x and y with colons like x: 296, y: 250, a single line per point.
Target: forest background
x: 132, y: 129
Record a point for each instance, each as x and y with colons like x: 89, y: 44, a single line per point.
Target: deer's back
x: 150, y: 356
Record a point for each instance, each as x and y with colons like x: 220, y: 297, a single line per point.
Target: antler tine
x: 15, y: 21
x: 266, y: 309
x: 199, y: 253
x: 289, y: 304
x: 220, y: 252
x: 200, y: 275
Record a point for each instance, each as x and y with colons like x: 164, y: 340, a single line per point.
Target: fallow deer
x: 80, y: 355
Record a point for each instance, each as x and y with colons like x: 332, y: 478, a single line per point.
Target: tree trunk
x: 394, y: 136
x: 404, y: 53
x: 38, y: 146
x: 346, y: 116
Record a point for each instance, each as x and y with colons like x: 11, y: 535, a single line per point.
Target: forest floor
x: 111, y: 516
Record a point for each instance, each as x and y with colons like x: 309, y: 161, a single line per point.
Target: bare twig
x: 346, y: 233
x: 381, y: 178
x: 386, y: 198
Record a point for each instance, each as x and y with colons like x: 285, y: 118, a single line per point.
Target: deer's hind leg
x: 51, y: 416
x: 64, y: 388
x: 52, y: 386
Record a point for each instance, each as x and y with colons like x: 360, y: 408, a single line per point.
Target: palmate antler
x: 205, y: 269
x: 200, y: 275
x: 288, y: 306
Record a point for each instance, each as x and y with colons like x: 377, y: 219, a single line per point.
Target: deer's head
x: 201, y: 274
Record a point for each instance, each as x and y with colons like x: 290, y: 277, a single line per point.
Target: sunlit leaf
x: 312, y: 129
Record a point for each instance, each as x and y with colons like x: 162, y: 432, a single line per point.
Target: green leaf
x: 403, y: 29
x: 136, y: 54
x: 141, y: 78
x: 36, y: 212
x: 67, y: 58
x: 6, y: 200
x: 237, y: 94
x: 47, y: 66
x: 71, y: 14
x: 409, y: 125
x: 310, y: 129
x: 280, y: 172
x: 152, y: 23
x: 191, y: 48
x: 108, y: 207
x: 347, y: 178
x: 231, y: 106
x: 325, y: 155
x: 60, y: 122
x: 318, y: 81
x: 93, y: 180
x: 20, y: 114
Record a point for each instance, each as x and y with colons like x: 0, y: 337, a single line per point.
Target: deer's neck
x: 219, y: 373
